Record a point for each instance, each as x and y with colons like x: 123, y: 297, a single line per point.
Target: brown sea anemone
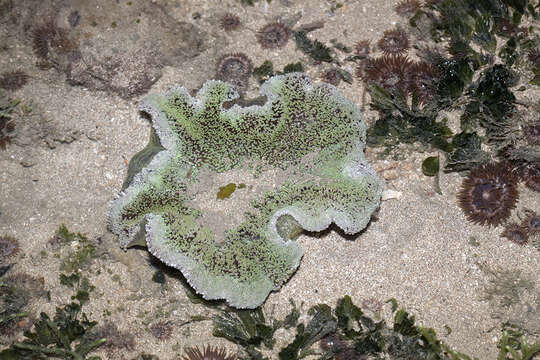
x: 530, y: 174
x: 273, y: 36
x: 40, y: 39
x: 13, y: 80
x: 208, y: 353
x: 332, y: 76
x: 407, y: 8
x: 161, y: 330
x: 234, y: 69
x: 116, y: 339
x: 389, y: 71
x: 531, y: 133
x: 424, y: 79
x: 516, y: 233
x: 74, y: 18
x: 332, y: 342
x: 9, y: 246
x: 504, y: 26
x: 47, y: 35
x: 394, y: 42
x: 362, y: 48
x: 372, y: 304
x: 7, y: 129
x: 361, y: 68
x: 488, y: 194
x: 534, y: 56
x: 229, y: 22
x: 531, y: 222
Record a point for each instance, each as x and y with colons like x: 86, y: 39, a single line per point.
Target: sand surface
x: 420, y: 250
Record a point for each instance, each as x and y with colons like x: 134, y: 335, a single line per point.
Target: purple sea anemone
x: 516, y: 233
x: 208, y: 353
x: 394, y: 42
x: 407, y: 8
x: 235, y: 69
x: 389, y: 71
x: 273, y: 36
x: 488, y: 194
x: 229, y: 22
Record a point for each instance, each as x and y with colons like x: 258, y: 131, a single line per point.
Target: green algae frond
x: 307, y: 138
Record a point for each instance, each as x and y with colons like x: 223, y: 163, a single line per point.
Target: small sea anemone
x: 235, y: 69
x: 516, y: 233
x: 372, y: 304
x: 161, y: 330
x: 361, y: 68
x: 40, y: 39
x: 407, y: 8
x: 116, y: 339
x: 273, y: 36
x: 74, y: 18
x: 7, y: 127
x: 229, y: 22
x: 394, y: 42
x: 531, y: 222
x: 350, y: 353
x: 504, y: 26
x: 424, y: 79
x: 389, y: 71
x: 18, y: 291
x: 47, y: 35
x: 332, y: 76
x: 530, y: 174
x: 531, y: 133
x: 362, y: 48
x: 13, y: 80
x: 534, y: 56
x: 208, y: 353
x: 488, y: 194
x: 9, y: 246
x: 332, y: 342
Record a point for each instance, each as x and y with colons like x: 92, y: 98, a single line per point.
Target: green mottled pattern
x: 311, y: 131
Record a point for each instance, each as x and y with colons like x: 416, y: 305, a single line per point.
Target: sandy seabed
x: 420, y: 250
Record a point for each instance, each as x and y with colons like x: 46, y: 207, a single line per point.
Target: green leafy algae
x: 226, y: 191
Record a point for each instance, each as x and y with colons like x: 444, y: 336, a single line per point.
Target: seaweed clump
x: 345, y: 333
x: 466, y: 74
x: 17, y: 293
x: 82, y: 251
x: 66, y: 336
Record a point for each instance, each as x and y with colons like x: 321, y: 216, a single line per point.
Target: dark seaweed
x: 347, y: 333
x: 66, y: 336
x: 473, y: 31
